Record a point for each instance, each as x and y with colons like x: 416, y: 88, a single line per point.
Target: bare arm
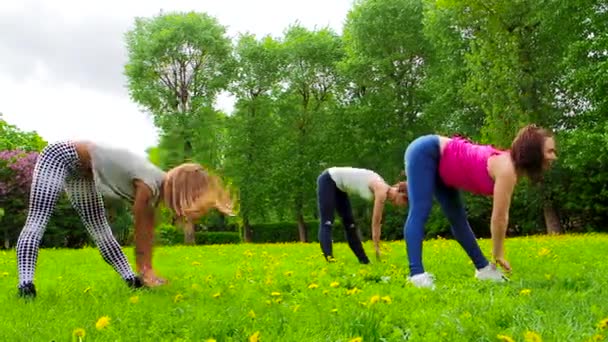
x: 504, y: 184
x: 379, y: 199
x: 144, y: 227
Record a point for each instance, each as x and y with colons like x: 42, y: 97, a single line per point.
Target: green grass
x: 558, y: 290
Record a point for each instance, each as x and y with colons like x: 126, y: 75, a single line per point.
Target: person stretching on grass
x: 442, y: 166
x: 333, y: 187
x: 85, y: 170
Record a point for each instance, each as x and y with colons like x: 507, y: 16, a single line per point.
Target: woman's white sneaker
x: 490, y: 272
x: 423, y: 280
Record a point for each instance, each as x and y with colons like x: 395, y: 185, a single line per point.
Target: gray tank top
x: 114, y: 171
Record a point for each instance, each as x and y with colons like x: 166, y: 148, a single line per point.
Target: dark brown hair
x: 527, y: 151
x: 190, y: 190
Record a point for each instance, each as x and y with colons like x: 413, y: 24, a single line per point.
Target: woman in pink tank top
x: 443, y: 167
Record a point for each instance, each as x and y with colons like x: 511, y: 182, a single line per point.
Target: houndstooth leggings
x: 58, y: 168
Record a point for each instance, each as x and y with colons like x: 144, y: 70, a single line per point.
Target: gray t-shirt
x: 115, y: 170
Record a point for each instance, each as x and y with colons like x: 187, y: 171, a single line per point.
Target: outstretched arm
x: 503, y: 191
x: 380, y: 191
x: 143, y: 213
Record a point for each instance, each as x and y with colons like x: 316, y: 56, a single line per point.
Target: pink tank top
x: 464, y: 165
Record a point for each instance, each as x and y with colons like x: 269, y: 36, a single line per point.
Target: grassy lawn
x: 287, y: 292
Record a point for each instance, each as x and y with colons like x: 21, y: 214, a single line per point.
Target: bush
x: 217, y: 238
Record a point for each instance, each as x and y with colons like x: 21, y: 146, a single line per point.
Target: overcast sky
x: 62, y: 61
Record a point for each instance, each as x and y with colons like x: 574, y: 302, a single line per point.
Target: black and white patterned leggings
x: 57, y: 169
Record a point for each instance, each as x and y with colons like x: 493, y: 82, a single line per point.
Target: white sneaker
x: 422, y: 280
x: 490, y: 272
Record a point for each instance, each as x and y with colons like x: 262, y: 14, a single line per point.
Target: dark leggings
x: 329, y: 199
x: 423, y: 181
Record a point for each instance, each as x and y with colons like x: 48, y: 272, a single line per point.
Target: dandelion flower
x: 531, y: 336
x: 597, y: 338
x: 79, y: 332
x: 525, y: 292
x: 133, y: 299
x: 275, y: 294
x: 210, y: 340
x: 255, y: 337
x: 603, y: 324
x: 178, y: 298
x: 102, y: 322
x: 313, y: 286
x: 544, y: 251
x: 505, y: 338
x: 334, y: 284
x: 352, y: 291
x: 375, y: 299
x: 356, y: 339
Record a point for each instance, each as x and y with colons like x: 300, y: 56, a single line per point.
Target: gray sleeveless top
x: 115, y: 170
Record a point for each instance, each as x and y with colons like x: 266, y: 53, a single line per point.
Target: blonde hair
x: 190, y: 191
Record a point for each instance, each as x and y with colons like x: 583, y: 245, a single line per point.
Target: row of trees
x: 311, y: 99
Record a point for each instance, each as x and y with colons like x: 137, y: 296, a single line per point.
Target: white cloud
x: 61, y: 62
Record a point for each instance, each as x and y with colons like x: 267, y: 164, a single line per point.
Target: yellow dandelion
x: 334, y: 284
x: 356, y: 339
x: 251, y: 314
x: 603, y: 324
x: 278, y: 300
x: 102, y: 322
x: 597, y: 338
x: 255, y: 337
x: 288, y: 273
x: 217, y: 295
x: 504, y: 338
x: 334, y: 310
x: 525, y: 292
x: 544, y: 251
x: 79, y: 332
x: 178, y: 298
x: 313, y: 286
x: 275, y: 294
x: 210, y: 340
x: 352, y: 291
x: 134, y: 300
x: 387, y: 299
x: 375, y: 299
x: 195, y: 263
x: 531, y: 336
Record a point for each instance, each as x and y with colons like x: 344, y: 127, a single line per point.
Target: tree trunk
x: 247, y: 232
x: 189, y: 237
x: 551, y: 219
x: 302, y: 228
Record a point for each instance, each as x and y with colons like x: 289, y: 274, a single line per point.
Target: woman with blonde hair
x: 85, y: 170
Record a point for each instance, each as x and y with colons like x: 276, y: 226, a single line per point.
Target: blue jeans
x: 423, y: 181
